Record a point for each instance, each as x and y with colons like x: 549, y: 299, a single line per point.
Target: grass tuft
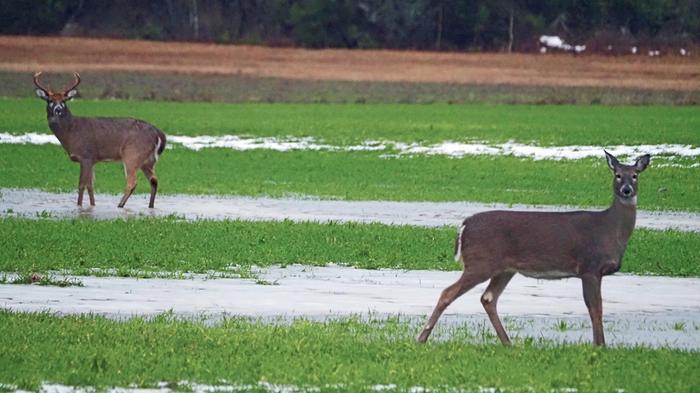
x: 172, y: 248
x: 42, y: 279
x: 350, y: 352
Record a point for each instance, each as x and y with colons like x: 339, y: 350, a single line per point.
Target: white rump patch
x: 158, y: 144
x: 458, y: 253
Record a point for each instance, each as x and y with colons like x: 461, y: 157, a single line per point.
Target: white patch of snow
x: 553, y: 41
x: 447, y: 148
x: 573, y: 152
x: 30, y: 138
x: 237, y: 143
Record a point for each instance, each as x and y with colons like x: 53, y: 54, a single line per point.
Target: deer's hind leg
x: 489, y: 300
x: 149, y: 171
x: 130, y: 169
x: 466, y: 282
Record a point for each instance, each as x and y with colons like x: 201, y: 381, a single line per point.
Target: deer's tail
x: 458, y: 243
x: 160, y: 144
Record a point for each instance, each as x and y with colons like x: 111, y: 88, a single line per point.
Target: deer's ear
x: 612, y: 161
x: 71, y: 93
x: 642, y: 162
x: 41, y: 94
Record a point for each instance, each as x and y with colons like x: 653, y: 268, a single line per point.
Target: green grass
x: 353, y: 123
x: 361, y: 176
x: 94, y: 351
x: 168, y: 245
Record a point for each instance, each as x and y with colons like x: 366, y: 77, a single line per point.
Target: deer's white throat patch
x: 632, y: 201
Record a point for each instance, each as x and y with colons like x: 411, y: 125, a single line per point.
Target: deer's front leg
x: 85, y: 171
x: 594, y: 302
x: 91, y: 184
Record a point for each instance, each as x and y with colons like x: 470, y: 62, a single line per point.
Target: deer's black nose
x: 626, y: 190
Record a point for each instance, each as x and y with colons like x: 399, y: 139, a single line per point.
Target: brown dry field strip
x: 29, y: 54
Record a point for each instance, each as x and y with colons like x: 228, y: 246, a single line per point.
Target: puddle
x: 639, y: 310
x: 34, y: 203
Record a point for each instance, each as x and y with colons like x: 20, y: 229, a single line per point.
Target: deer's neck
x: 61, y: 126
x: 622, y: 216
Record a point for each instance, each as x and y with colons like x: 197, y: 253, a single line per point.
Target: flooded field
x: 655, y: 311
x: 668, y: 152
x: 35, y: 203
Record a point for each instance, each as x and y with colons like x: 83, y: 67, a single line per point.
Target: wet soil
x: 654, y: 311
x: 34, y: 203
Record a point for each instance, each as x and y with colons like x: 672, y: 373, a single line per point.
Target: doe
x: 546, y: 245
x: 89, y: 140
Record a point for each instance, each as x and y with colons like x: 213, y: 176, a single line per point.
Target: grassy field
x: 361, y: 176
x: 237, y: 88
x: 351, y: 354
x: 169, y: 245
x: 354, y: 123
x: 365, y: 175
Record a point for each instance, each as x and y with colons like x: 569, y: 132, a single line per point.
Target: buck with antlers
x: 89, y: 140
x: 585, y: 244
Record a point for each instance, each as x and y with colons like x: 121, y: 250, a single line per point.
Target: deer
x: 588, y: 245
x: 89, y: 140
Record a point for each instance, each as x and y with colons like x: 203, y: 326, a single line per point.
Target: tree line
x: 478, y: 25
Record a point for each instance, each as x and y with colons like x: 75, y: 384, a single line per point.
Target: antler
x: 77, y: 82
x: 36, y: 82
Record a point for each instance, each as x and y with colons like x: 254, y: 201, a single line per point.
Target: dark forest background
x: 476, y: 25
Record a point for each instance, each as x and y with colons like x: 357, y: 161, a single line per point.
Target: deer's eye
x: 618, y: 176
x: 634, y: 177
